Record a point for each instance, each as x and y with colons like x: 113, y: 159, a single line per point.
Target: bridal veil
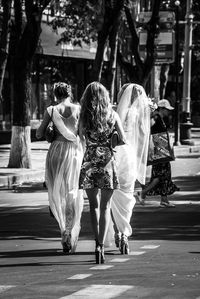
x: 131, y: 158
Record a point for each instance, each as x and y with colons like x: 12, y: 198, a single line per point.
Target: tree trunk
x: 20, y: 153
x: 21, y: 158
x: 140, y: 72
x: 112, y: 63
x: 113, y: 42
x: 99, y: 58
x: 4, y: 43
x: 112, y: 13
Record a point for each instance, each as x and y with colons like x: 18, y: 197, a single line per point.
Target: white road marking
x: 137, y: 252
x: 119, y: 260
x: 5, y: 288
x: 150, y: 246
x: 80, y: 276
x: 101, y: 267
x: 95, y: 291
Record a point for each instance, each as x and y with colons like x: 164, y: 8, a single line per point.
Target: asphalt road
x: 164, y: 260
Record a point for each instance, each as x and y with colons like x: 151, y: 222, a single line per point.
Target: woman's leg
x: 94, y: 210
x: 152, y: 184
x: 114, y: 223
x: 165, y: 202
x: 104, y: 219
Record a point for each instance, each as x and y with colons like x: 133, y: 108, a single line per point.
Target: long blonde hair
x: 96, y: 109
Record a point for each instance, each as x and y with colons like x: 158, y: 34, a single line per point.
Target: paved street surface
x: 164, y: 260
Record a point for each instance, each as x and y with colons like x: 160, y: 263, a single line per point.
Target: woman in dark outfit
x: 161, y: 182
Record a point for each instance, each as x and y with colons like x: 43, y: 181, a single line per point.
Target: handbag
x: 116, y: 139
x: 50, y: 130
x: 160, y: 150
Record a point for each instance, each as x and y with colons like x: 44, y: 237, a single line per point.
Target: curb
x: 12, y: 180
x: 187, y: 151
x: 9, y: 178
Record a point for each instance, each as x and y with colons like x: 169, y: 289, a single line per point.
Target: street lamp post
x: 177, y: 103
x: 185, y: 126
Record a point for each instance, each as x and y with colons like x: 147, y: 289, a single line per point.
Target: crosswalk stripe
x: 4, y: 288
x: 119, y: 260
x: 80, y: 276
x: 101, y: 267
x: 150, y: 246
x: 136, y: 252
x: 95, y: 291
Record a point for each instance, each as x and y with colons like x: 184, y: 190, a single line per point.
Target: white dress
x: 131, y: 158
x: 63, y: 165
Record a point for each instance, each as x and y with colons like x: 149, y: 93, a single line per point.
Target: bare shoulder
x: 75, y: 107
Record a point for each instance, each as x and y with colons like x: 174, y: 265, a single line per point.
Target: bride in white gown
x: 131, y: 158
x: 63, y: 164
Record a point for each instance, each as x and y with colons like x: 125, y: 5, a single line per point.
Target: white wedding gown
x: 131, y: 158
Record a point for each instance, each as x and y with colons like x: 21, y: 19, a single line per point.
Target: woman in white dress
x: 131, y: 158
x: 63, y: 164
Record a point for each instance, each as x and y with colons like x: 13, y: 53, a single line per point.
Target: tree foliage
x: 80, y: 18
x: 100, y: 20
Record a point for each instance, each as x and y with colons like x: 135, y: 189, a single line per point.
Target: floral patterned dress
x: 99, y: 168
x: 161, y: 170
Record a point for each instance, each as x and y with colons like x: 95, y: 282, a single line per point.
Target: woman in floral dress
x: 98, y: 171
x: 161, y: 181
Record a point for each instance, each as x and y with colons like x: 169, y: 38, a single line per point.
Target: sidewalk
x: 10, y: 177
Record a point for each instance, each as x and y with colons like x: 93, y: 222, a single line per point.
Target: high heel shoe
x: 102, y: 254
x: 99, y: 254
x: 66, y: 243
x: 140, y: 199
x: 117, y: 239
x: 124, y: 247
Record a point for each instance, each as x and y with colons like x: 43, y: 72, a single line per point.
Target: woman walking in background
x: 98, y: 171
x: 160, y: 182
x: 63, y: 164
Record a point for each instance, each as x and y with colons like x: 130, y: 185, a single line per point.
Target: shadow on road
x: 151, y: 222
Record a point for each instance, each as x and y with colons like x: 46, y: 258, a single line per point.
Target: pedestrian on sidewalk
x: 98, y: 172
x: 63, y: 163
x: 161, y: 181
x: 134, y: 112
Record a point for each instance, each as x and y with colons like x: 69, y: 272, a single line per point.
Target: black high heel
x: 99, y: 254
x: 124, y: 247
x: 117, y: 239
x: 102, y: 255
x: 66, y: 243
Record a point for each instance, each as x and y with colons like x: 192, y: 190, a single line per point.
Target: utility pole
x: 177, y: 103
x: 185, y: 126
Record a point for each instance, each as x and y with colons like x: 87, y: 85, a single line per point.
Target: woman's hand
x: 41, y: 130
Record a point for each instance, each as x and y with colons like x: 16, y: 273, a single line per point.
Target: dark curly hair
x: 62, y: 90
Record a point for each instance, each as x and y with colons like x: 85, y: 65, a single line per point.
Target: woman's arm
x: 41, y: 130
x: 82, y: 135
x: 119, y: 127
